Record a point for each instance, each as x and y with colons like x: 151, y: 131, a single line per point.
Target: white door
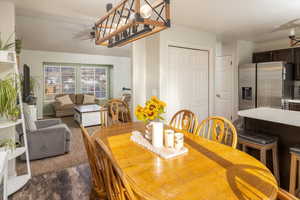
x: 187, y: 81
x: 224, y: 87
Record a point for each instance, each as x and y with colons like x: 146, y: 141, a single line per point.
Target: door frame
x: 211, y: 68
x: 232, y: 86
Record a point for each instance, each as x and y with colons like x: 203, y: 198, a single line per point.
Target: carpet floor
x: 76, y: 156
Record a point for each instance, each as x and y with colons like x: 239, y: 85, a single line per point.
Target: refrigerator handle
x: 284, y: 73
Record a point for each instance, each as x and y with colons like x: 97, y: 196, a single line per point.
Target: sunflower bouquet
x: 153, y: 110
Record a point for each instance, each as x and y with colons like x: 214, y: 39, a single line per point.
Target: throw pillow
x: 29, y: 119
x: 64, y: 100
x: 88, y: 99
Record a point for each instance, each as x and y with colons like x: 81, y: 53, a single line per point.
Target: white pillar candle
x: 169, y: 139
x: 157, y: 134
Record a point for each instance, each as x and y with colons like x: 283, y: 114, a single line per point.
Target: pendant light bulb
x: 292, y: 32
x: 146, y: 11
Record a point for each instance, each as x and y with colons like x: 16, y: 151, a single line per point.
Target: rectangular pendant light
x: 131, y: 20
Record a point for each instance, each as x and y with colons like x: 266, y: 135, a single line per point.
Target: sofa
x: 51, y: 138
x: 68, y: 110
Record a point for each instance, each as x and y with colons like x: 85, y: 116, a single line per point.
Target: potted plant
x: 151, y: 114
x: 18, y: 46
x: 9, y: 108
x: 5, y: 46
x: 7, y: 145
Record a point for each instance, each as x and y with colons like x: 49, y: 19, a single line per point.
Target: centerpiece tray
x: 163, y: 152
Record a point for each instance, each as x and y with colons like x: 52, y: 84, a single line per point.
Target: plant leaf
x: 8, y: 46
x: 9, y: 38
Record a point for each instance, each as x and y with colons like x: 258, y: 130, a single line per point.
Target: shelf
x: 7, y: 124
x: 7, y: 62
x: 16, y: 182
x: 17, y: 152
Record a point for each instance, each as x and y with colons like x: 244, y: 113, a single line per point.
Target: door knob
x: 218, y: 95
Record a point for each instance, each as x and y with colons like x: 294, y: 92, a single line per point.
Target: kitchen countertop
x: 293, y: 100
x: 287, y: 117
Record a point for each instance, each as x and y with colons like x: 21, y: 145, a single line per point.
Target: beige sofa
x: 68, y: 110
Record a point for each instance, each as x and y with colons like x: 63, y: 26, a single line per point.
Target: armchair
x: 51, y: 138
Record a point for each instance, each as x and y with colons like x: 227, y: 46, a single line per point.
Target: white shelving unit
x: 15, y: 182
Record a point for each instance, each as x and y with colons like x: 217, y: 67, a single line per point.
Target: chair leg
x: 275, y: 163
x: 263, y: 156
x: 293, y: 171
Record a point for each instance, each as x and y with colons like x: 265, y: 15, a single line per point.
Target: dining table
x: 208, y: 171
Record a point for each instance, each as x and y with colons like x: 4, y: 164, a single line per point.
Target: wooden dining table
x: 209, y: 171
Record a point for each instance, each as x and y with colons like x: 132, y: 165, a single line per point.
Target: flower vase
x: 157, y: 134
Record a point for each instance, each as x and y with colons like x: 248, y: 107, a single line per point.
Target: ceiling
x: 50, y: 24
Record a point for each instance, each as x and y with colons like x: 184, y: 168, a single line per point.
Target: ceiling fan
x: 292, y: 25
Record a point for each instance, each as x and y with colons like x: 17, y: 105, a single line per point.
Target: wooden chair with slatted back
x: 284, y: 195
x: 218, y: 129
x: 185, y: 120
x: 115, y: 183
x: 119, y: 111
x: 103, y: 117
x: 97, y: 170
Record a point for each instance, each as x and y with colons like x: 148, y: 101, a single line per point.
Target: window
x: 93, y: 80
x: 61, y: 79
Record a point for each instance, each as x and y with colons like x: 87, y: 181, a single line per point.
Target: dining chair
x: 284, y: 195
x: 116, y: 185
x: 97, y: 170
x: 185, y: 120
x: 218, y: 129
x: 119, y: 111
x: 103, y: 118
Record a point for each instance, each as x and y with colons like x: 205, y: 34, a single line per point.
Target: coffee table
x: 90, y: 115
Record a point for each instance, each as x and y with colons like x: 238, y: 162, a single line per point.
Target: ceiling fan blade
x: 81, y: 34
x: 291, y: 24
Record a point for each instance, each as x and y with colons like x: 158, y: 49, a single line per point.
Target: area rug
x: 76, y: 156
x: 67, y: 184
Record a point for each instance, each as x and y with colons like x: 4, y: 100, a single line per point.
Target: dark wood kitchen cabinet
x: 272, y: 56
x: 262, y: 57
x: 297, y: 63
x: 283, y: 55
x: 294, y: 106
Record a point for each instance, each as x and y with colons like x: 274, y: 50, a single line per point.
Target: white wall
x: 150, y: 59
x: 138, y: 73
x: 272, y: 45
x: 152, y: 66
x: 121, y: 72
x: 7, y: 20
x: 190, y: 38
x: 241, y: 53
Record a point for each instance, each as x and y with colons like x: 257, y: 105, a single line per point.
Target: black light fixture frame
x: 294, y: 40
x: 124, y: 23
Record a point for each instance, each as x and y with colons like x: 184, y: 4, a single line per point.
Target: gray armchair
x: 51, y: 138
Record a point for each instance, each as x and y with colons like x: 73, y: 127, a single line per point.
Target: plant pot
x: 4, y: 55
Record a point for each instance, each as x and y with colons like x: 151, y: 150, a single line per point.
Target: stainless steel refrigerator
x: 265, y: 84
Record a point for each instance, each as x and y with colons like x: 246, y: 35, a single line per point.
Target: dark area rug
x: 67, y: 184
